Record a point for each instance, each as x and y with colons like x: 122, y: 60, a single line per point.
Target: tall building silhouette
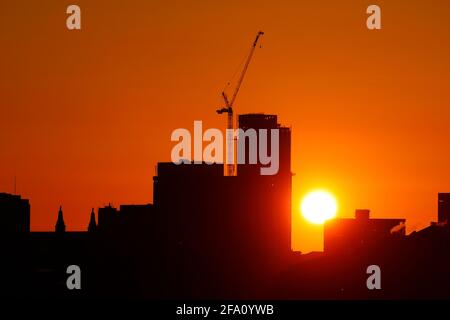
x: 256, y: 122
x: 235, y: 226
x: 444, y: 209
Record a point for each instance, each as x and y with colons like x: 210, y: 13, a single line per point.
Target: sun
x: 318, y: 206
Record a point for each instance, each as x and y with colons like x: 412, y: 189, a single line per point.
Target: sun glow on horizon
x: 318, y: 206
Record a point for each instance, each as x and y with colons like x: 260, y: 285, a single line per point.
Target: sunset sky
x: 85, y: 115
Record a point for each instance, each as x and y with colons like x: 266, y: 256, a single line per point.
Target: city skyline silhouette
x: 336, y: 185
x: 212, y: 236
x: 87, y: 114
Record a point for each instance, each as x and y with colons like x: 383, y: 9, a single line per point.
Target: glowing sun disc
x: 318, y: 206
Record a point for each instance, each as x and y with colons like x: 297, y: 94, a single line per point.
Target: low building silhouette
x: 15, y: 215
x: 343, y: 235
x: 107, y: 217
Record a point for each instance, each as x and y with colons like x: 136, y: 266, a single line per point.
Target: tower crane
x: 228, y: 108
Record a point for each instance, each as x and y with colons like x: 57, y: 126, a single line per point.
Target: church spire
x: 60, y: 225
x: 92, y: 224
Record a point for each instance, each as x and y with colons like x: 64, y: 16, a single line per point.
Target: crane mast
x: 228, y: 109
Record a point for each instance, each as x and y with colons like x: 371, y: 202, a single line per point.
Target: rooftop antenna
x: 15, y: 185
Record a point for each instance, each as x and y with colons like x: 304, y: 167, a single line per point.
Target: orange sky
x: 85, y: 115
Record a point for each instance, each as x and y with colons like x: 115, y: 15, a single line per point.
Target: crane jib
x: 229, y: 103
